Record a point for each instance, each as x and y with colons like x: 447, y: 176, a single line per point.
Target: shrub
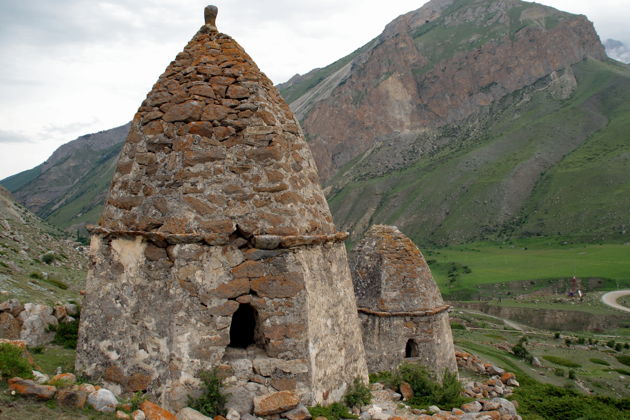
x: 558, y: 372
x: 457, y: 326
x: 66, y: 334
x: 581, y: 340
x: 211, y: 402
x: 571, y: 374
x: 567, y: 341
x: 334, y: 411
x: 611, y: 344
x: 600, y: 362
x: 49, y: 258
x: 386, y: 378
x: 556, y: 335
x: 426, y: 390
x: 12, y: 363
x: 626, y: 346
x: 623, y: 359
x: 358, y: 394
x: 36, y: 275
x: 562, y: 362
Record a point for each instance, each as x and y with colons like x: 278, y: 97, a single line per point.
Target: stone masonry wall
x: 385, y: 339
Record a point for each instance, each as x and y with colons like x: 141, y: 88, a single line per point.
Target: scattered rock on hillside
x: 103, y: 400
x: 188, y: 413
x: 36, y: 320
x: 28, y: 388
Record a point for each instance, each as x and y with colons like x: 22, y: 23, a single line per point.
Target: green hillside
x: 534, y: 165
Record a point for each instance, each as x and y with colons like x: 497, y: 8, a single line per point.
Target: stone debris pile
x: 32, y: 322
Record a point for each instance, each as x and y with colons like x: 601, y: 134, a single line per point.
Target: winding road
x: 610, y: 299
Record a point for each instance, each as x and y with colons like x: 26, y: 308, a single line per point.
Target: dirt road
x: 610, y: 299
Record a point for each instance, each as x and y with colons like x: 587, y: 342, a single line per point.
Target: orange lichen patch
x: 155, y: 412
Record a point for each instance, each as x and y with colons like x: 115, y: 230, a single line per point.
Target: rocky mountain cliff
x: 435, y: 66
x: 464, y: 119
x: 38, y: 262
x: 470, y: 119
x: 69, y: 188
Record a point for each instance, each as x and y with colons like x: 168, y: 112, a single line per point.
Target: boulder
x: 494, y: 370
x: 40, y: 378
x: 30, y: 388
x: 63, y: 380
x: 277, y: 402
x: 10, y: 327
x: 472, y: 407
x: 71, y: 309
x: 103, y: 400
x: 138, y: 415
x: 188, y: 413
x: 406, y: 391
x: 298, y: 413
x: 73, y: 398
x: 155, y: 412
x: 12, y: 306
x: 232, y: 414
x: 122, y: 415
x: 505, y: 407
x: 59, y: 312
x: 36, y: 320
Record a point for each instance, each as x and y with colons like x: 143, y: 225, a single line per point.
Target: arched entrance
x: 243, y: 328
x: 411, y: 348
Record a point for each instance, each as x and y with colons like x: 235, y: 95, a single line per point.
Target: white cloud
x: 87, y: 64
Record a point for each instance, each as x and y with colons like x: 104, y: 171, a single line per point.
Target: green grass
x: 54, y: 356
x: 561, y: 361
x: 539, y: 259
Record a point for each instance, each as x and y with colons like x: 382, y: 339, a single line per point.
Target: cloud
x: 13, y: 137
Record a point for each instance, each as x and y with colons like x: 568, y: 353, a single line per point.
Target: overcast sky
x: 72, y: 67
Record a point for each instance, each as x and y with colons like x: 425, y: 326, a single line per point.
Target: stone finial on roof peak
x: 210, y: 15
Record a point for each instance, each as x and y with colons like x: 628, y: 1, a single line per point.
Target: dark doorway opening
x: 243, y: 326
x: 411, y: 349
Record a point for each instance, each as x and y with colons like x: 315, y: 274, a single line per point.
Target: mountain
x: 69, y: 189
x: 472, y: 119
x: 463, y: 120
x: 38, y: 262
x: 617, y: 50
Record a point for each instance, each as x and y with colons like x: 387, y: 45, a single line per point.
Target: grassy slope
x: 531, y: 259
x: 461, y: 191
x: 84, y: 202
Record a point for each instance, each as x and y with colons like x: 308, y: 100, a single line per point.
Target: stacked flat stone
x: 400, y: 306
x: 215, y: 206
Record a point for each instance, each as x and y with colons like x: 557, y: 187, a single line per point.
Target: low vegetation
x: 211, y: 402
x: 334, y: 411
x: 561, y: 361
x: 358, y: 394
x: 13, y: 363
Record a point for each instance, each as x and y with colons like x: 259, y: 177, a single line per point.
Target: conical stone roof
x: 390, y: 273
x: 214, y: 149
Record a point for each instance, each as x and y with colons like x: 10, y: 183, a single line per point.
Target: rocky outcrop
x: 435, y: 66
x: 400, y: 306
x: 32, y: 323
x: 216, y: 247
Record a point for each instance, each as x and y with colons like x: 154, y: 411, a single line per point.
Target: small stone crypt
x: 216, y: 247
x: 400, y: 306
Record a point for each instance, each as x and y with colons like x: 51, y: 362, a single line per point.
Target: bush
x: 558, y: 372
x: 36, y: 275
x: 66, y: 334
x: 457, y: 326
x: 556, y: 335
x: 426, y: 390
x: 49, y: 258
x: 12, y: 363
x: 387, y: 378
x: 623, y: 359
x: 567, y: 341
x: 562, y: 362
x: 334, y: 411
x: 571, y: 374
x: 581, y: 340
x: 211, y: 402
x: 358, y: 394
x: 600, y: 362
x: 611, y: 344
